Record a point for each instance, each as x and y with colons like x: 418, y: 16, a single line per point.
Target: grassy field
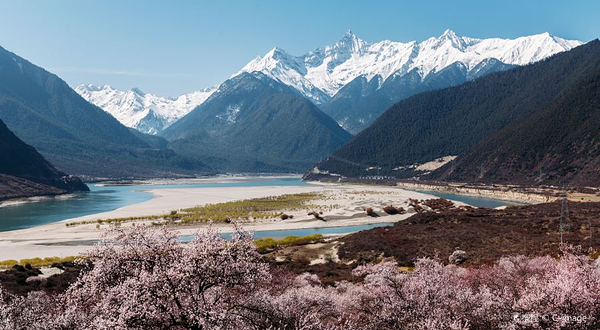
x: 265, y: 244
x: 35, y: 262
x: 581, y: 197
x: 257, y: 208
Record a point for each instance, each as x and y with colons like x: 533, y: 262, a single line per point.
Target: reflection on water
x: 104, y: 199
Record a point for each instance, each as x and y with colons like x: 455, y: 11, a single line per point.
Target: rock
x: 57, y: 265
x: 390, y: 210
x: 32, y: 279
x: 458, y: 257
x: 18, y: 268
x: 68, y: 264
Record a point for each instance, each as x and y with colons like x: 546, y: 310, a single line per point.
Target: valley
x: 281, y: 114
x: 155, y: 175
x: 342, y: 206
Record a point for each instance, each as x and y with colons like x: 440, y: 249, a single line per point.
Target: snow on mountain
x: 147, y: 113
x: 320, y: 74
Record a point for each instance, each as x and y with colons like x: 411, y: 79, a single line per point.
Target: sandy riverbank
x: 24, y: 200
x: 507, y: 193
x: 344, y: 206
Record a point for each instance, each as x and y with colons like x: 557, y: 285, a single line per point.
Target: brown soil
x: 14, y: 280
x: 485, y: 234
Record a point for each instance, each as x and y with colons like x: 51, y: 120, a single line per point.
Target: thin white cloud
x: 117, y: 72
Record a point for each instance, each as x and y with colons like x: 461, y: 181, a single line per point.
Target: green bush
x: 265, y: 244
x: 257, y: 208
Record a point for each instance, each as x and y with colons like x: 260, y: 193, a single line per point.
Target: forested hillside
x: 448, y: 122
x: 24, y: 172
x: 256, y: 124
x: 73, y: 134
x: 561, y: 140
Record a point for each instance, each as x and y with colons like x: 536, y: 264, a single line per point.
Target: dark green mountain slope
x: 24, y: 172
x: 560, y: 140
x: 256, y: 124
x: 73, y: 134
x: 360, y: 102
x: 450, y: 121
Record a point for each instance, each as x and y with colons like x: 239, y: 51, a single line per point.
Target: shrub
x: 439, y: 204
x: 390, y: 210
x: 316, y: 214
x: 145, y: 278
x: 265, y: 244
x: 36, y: 262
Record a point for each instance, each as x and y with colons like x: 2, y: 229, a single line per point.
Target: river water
x: 103, y: 198
x: 107, y: 198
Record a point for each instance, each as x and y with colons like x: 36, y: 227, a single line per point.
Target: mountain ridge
x: 447, y: 122
x: 74, y: 135
x: 331, y: 67
x: 391, y: 71
x: 559, y: 143
x: 147, y: 113
x: 386, y: 72
x: 256, y: 124
x: 26, y: 173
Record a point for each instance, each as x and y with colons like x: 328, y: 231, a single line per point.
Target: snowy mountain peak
x: 276, y: 51
x: 348, y: 34
x: 348, y: 43
x: 321, y: 73
x: 449, y: 33
x: 349, y: 38
x: 147, y: 113
x: 138, y: 91
x: 455, y: 40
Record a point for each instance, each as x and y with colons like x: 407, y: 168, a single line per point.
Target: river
x: 103, y: 198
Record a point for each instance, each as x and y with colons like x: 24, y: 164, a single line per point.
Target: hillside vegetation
x: 26, y: 173
x: 256, y: 124
x: 452, y: 120
x: 561, y: 140
x: 71, y: 133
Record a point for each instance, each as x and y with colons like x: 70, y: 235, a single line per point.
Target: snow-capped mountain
x: 147, y: 113
x: 353, y: 80
x: 320, y: 74
x: 254, y: 123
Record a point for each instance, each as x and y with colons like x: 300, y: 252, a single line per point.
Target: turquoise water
x: 106, y: 198
x: 473, y: 201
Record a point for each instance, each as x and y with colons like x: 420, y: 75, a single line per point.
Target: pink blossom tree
x: 145, y: 279
x: 295, y: 302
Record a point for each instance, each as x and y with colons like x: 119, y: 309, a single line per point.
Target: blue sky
x: 175, y: 47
